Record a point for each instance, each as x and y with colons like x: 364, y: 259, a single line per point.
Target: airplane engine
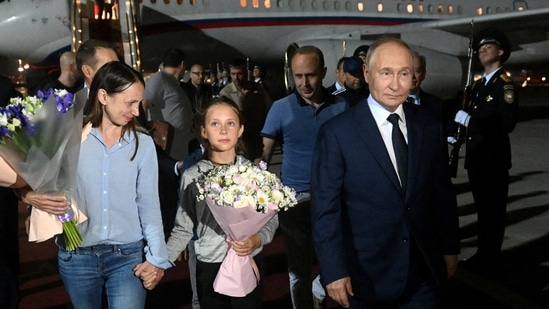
x: 437, y: 80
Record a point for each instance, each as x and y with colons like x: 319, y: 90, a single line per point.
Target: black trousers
x: 295, y: 224
x: 9, y: 255
x: 490, y: 187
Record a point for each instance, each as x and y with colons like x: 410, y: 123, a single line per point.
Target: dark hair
x: 86, y: 53
x: 237, y: 63
x: 309, y: 49
x: 173, y: 57
x: 340, y: 63
x: 114, y: 77
x: 422, y: 61
x: 201, y: 122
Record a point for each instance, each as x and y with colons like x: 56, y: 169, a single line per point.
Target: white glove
x: 451, y: 140
x: 462, y: 118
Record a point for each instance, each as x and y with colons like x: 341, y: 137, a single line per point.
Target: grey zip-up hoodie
x: 211, y: 245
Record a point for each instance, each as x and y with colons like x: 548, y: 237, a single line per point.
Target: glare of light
x: 524, y: 84
x: 528, y: 78
x: 20, y: 67
x: 410, y: 8
x: 508, y: 73
x: 543, y: 79
x: 26, y: 66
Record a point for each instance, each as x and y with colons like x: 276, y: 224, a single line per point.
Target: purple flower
x: 64, y: 102
x: 44, y: 95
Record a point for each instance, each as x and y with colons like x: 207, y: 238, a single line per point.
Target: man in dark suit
x: 427, y: 100
x: 385, y: 223
x: 338, y: 85
x: 489, y: 118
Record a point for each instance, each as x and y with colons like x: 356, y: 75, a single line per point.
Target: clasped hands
x: 149, y: 274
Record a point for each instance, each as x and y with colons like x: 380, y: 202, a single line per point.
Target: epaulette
x: 505, y: 78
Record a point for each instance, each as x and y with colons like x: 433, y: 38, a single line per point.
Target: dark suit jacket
x: 363, y: 221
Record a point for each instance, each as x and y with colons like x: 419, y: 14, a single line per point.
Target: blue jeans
x: 86, y: 271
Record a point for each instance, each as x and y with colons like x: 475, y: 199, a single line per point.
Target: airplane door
x: 108, y: 20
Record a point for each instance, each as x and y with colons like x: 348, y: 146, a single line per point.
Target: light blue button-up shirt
x: 120, y: 196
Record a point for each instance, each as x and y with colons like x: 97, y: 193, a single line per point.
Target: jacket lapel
x: 415, y: 144
x: 368, y: 131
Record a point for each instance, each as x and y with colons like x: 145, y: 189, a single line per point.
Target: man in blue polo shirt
x: 294, y: 121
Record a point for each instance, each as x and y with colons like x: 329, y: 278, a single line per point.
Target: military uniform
x: 493, y: 115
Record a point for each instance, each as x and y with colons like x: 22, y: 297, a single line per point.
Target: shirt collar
x: 380, y: 113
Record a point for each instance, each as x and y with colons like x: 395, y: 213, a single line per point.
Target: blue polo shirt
x: 295, y: 124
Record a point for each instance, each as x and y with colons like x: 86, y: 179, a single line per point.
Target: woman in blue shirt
x: 123, y: 249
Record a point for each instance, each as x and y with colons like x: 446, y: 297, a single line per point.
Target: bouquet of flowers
x: 40, y: 139
x: 242, y: 199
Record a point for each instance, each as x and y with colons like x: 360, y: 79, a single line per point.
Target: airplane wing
x: 522, y: 27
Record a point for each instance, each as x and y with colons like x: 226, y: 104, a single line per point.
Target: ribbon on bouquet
x: 44, y: 226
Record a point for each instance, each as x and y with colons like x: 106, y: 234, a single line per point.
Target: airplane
x: 212, y: 32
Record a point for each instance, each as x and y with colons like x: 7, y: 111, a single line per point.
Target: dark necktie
x: 401, y: 149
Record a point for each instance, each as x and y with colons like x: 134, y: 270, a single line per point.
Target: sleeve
x: 267, y: 232
x: 148, y: 205
x: 446, y: 201
x: 182, y: 231
x: 326, y: 206
x: 273, y: 128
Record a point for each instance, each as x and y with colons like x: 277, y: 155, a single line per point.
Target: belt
x: 106, y: 247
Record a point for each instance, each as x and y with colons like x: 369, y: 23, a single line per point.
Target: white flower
x: 227, y: 197
x: 246, y: 186
x: 277, y: 196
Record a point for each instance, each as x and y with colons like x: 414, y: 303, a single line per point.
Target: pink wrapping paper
x: 44, y: 226
x: 238, y: 275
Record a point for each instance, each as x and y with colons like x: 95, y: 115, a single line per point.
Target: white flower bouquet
x: 242, y: 199
x: 40, y: 139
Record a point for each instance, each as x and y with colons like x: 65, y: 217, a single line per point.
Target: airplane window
x: 380, y: 7
x: 430, y: 9
x: 519, y: 5
x: 450, y: 10
x: 420, y: 8
x: 409, y: 8
x: 255, y: 3
x: 460, y: 10
x: 337, y: 5
x: 440, y: 9
x: 314, y: 5
x: 267, y: 4
x: 498, y: 9
x: 243, y: 3
x: 360, y: 6
x: 325, y: 5
x: 153, y: 1
x: 488, y: 10
x: 179, y: 2
x: 479, y: 11
x: 166, y: 1
x: 280, y: 3
x: 302, y: 4
x: 399, y: 7
x: 348, y: 6
x: 291, y: 4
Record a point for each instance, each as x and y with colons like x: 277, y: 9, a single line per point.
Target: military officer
x: 489, y: 118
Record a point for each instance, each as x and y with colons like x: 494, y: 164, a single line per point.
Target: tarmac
x: 521, y: 283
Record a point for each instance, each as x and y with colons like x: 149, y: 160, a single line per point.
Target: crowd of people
x: 367, y: 158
